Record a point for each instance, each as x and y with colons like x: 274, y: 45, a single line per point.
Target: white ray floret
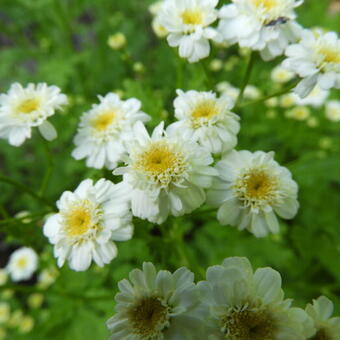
x: 22, y: 108
x: 156, y: 305
x: 327, y: 327
x: 251, y: 189
x: 267, y: 26
x: 243, y: 305
x: 104, y: 130
x: 207, y: 119
x: 88, y: 221
x: 166, y: 173
x: 316, y: 59
x: 188, y: 25
x: 22, y: 264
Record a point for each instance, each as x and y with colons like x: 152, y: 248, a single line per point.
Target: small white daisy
x: 89, y: 219
x: 316, y: 98
x: 281, y: 75
x: 22, y: 264
x: 105, y: 128
x: 187, y: 23
x: 327, y: 327
x: 316, y: 59
x: 267, y: 26
x: 156, y: 306
x: 23, y: 108
x: 243, y: 305
x: 166, y: 173
x: 333, y: 110
x: 251, y: 189
x: 207, y: 119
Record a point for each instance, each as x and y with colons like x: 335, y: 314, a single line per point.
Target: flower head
x: 316, y: 59
x: 166, y: 174
x: 187, y: 23
x: 104, y: 130
x: 251, y: 189
x: 23, y: 108
x: 243, y: 305
x: 206, y: 119
x: 22, y: 264
x: 333, y: 110
x: 89, y: 219
x: 327, y: 327
x: 155, y: 305
x: 267, y: 26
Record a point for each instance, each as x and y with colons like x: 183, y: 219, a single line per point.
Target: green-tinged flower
x: 327, y: 327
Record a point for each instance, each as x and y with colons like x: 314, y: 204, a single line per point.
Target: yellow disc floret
x: 28, y: 105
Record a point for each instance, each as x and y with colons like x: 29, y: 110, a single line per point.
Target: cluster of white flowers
x: 234, y: 303
x: 23, y: 108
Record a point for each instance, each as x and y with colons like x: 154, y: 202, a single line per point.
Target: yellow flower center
x: 78, y: 220
x: 330, y: 55
x: 149, y: 317
x: 247, y: 324
x: 161, y: 162
x: 192, y: 17
x: 22, y: 262
x: 203, y: 112
x: 28, y: 105
x: 266, y: 4
x: 103, y: 120
x: 256, y: 186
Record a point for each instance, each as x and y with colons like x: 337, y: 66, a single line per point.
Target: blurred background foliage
x: 64, y: 42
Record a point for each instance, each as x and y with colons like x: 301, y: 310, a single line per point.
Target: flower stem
x: 26, y: 189
x: 207, y: 79
x: 49, y: 169
x: 275, y: 94
x: 247, y: 76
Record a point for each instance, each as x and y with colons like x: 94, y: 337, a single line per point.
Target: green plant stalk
x: 208, y: 81
x: 247, y: 75
x: 26, y: 189
x: 20, y: 219
x: 273, y: 95
x: 49, y: 169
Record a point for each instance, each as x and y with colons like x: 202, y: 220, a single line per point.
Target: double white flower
x: 23, y: 108
x: 187, y: 23
x: 89, y: 219
x: 316, y: 59
x: 22, y: 264
x: 207, y: 119
x: 267, y: 26
x: 166, y: 174
x: 155, y: 305
x: 103, y: 131
x: 242, y: 304
x: 251, y: 189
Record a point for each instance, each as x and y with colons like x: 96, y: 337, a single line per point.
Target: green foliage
x: 64, y: 42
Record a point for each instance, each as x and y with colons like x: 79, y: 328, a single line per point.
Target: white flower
x: 22, y: 264
x: 167, y: 174
x: 316, y: 59
x: 88, y: 220
x: 298, y: 113
x: 316, y: 98
x: 327, y: 327
x: 104, y: 129
x: 156, y: 306
x: 206, y: 119
x: 281, y: 75
x: 23, y: 108
x: 187, y: 22
x: 333, y: 110
x: 267, y: 26
x: 252, y: 92
x: 243, y: 304
x: 47, y: 277
x: 226, y: 88
x: 117, y: 41
x: 251, y: 189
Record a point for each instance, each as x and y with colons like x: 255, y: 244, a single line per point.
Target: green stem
x: 246, y: 78
x: 19, y: 219
x: 49, y: 169
x: 275, y: 94
x: 208, y: 81
x: 26, y: 189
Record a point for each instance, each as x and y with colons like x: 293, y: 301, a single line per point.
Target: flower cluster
x: 234, y: 302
